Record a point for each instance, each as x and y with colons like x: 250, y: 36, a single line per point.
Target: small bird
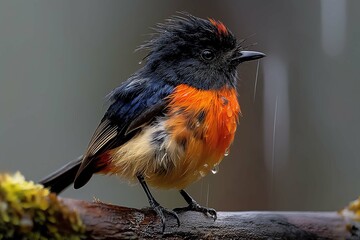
x: 174, y: 119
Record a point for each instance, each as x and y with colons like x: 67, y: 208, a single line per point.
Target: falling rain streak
x: 273, y: 146
x: 256, y: 79
x: 207, y: 195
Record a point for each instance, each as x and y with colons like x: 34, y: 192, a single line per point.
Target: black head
x: 194, y: 51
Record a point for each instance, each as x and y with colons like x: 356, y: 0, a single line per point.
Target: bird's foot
x: 161, y: 211
x: 194, y: 206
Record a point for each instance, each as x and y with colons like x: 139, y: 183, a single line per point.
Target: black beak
x: 244, y: 56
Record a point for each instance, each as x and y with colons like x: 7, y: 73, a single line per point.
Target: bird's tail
x: 62, y: 178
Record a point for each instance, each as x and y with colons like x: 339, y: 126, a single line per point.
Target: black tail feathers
x: 62, y: 178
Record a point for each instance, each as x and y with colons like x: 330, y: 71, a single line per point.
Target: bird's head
x: 197, y: 52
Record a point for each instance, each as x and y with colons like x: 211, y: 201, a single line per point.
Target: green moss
x: 29, y: 211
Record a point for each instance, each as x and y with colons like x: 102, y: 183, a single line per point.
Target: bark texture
x: 105, y: 221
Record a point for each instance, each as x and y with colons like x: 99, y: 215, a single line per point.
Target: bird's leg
x: 156, y: 206
x: 194, y: 206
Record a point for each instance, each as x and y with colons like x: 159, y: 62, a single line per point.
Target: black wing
x: 135, y: 104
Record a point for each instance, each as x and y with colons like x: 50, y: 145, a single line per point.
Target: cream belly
x: 150, y: 153
x: 156, y: 155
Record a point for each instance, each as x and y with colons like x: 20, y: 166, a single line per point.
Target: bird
x: 172, y: 121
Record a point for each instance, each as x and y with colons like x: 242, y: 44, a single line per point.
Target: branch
x: 104, y: 221
x: 29, y: 211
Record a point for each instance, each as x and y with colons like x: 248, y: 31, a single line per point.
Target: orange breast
x: 203, y: 123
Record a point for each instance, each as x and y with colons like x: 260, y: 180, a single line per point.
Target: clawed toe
x: 197, y: 208
x: 212, y: 212
x: 194, y: 206
x: 161, y: 211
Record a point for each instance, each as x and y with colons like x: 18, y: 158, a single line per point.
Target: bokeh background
x: 297, y: 146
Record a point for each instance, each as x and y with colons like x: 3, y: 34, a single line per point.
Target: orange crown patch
x: 219, y: 26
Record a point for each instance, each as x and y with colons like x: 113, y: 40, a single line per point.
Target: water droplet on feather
x: 215, y: 169
x: 227, y: 151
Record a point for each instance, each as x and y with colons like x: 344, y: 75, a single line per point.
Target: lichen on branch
x: 29, y: 211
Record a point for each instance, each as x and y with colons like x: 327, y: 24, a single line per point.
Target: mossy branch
x: 28, y: 211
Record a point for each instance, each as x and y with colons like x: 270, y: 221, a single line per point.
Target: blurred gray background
x: 298, y: 142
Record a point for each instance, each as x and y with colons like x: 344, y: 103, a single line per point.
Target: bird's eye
x: 207, y: 55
